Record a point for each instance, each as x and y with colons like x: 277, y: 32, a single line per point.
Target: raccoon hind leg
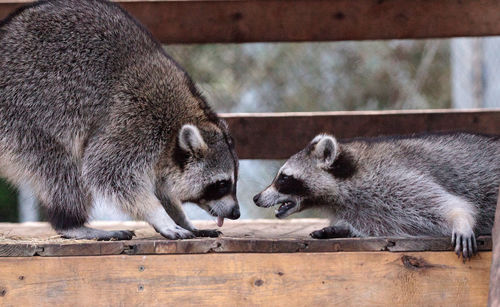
x: 70, y: 225
x: 83, y: 232
x: 56, y: 179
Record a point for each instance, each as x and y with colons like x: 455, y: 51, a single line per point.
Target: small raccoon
x: 428, y: 185
x: 92, y: 108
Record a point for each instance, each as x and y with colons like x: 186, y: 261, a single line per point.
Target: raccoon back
x: 61, y: 63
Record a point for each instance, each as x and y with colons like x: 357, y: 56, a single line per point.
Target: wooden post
x: 494, y: 295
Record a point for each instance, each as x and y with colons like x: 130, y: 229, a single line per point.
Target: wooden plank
x: 81, y: 249
x: 306, y: 279
x: 250, y: 236
x: 211, y: 21
x: 18, y: 250
x: 494, y: 294
x: 279, y: 135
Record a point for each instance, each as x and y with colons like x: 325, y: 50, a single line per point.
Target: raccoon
x: 421, y: 185
x: 92, y: 108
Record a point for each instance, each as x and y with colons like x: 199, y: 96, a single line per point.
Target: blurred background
x: 339, y: 76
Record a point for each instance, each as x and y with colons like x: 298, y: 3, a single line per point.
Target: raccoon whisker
x: 215, y: 209
x: 211, y: 211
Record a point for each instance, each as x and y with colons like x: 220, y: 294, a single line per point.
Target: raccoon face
x: 206, y: 170
x: 309, y: 178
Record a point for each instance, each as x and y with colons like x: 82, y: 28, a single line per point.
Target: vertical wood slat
x: 494, y: 294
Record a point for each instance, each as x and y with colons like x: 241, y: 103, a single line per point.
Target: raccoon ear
x: 190, y: 140
x: 326, y: 149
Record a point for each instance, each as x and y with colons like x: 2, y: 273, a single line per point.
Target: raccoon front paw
x: 465, y: 244
x: 123, y: 235
x: 175, y: 233
x: 207, y: 233
x: 331, y: 232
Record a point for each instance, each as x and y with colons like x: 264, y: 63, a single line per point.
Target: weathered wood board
x: 297, y: 279
x: 494, y: 294
x: 293, y: 131
x: 209, y: 21
x: 246, y: 236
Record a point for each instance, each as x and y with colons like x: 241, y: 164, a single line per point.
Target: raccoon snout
x: 256, y: 200
x: 235, y: 214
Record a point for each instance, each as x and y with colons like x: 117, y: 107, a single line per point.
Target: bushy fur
x: 442, y: 184
x: 92, y: 107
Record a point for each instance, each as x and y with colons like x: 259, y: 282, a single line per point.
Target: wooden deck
x: 255, y: 263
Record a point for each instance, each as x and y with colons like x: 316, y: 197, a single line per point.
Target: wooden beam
x: 305, y: 279
x: 246, y: 236
x: 225, y: 21
x: 233, y: 245
x: 279, y: 135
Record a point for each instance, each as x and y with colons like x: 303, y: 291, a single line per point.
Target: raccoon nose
x: 256, y: 198
x: 235, y: 214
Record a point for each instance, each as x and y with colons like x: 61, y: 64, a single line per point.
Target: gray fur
x: 443, y: 184
x: 92, y: 107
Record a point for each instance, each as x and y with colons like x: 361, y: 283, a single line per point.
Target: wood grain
x: 279, y: 135
x: 250, y: 236
x: 209, y: 21
x: 301, y: 279
x: 494, y: 294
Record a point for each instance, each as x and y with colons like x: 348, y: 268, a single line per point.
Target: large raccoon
x: 91, y: 107
x: 441, y: 184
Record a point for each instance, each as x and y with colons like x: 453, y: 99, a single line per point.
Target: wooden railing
x: 279, y: 135
x: 217, y: 21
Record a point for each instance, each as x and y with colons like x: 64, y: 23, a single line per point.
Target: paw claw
x: 317, y: 234
x: 207, y: 233
x: 465, y: 245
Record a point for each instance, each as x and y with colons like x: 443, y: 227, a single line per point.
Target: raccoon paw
x: 122, y: 235
x: 175, y: 233
x: 207, y: 233
x: 331, y: 232
x: 465, y: 244
x: 87, y: 233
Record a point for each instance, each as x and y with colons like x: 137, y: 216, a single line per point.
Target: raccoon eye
x: 222, y: 183
x: 290, y: 185
x: 217, y: 190
x: 283, y: 178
